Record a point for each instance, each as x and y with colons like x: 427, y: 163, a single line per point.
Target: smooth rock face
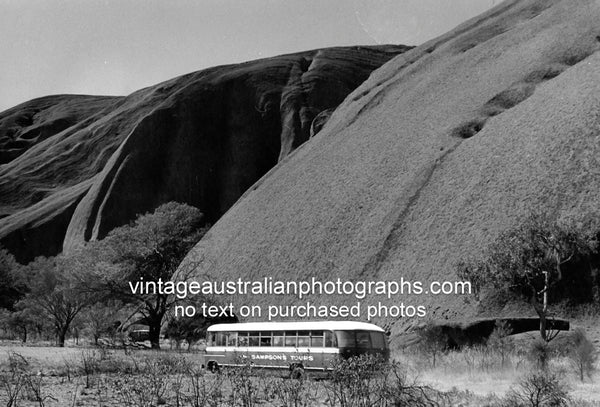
x: 74, y: 167
x: 438, y: 152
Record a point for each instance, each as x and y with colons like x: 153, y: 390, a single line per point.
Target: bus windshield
x: 361, y: 339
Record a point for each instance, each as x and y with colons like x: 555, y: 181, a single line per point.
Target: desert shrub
x: 538, y: 389
x: 244, y: 388
x: 203, y: 391
x: 540, y: 353
x: 68, y: 368
x: 582, y: 355
x: 367, y: 381
x: 35, y: 389
x: 432, y: 342
x: 456, y: 397
x: 354, y: 381
x: 478, y: 357
x: 14, y: 379
x: 145, y: 389
x: 293, y: 393
x: 17, y: 364
x: 172, y: 363
x: 11, y: 389
x: 400, y: 391
x: 90, y: 362
x: 140, y: 390
x: 500, y: 342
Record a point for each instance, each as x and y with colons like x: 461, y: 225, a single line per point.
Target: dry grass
x: 471, y: 377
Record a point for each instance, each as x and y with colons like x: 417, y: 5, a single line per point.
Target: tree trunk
x: 544, y: 311
x: 24, y: 336
x: 62, y: 334
x: 543, y: 329
x: 154, y: 334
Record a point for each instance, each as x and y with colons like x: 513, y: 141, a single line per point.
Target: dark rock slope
x: 438, y: 152
x: 77, y: 166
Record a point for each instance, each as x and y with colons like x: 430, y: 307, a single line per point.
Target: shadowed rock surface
x: 460, y: 334
x: 74, y: 167
x: 437, y: 153
x: 30, y: 123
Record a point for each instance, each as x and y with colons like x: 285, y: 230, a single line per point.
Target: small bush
x: 244, y: 388
x: 432, y: 342
x: 366, y: 381
x: 540, y: 354
x: 292, y: 393
x: 582, y: 355
x: 538, y: 389
x: 500, y: 342
x: 354, y: 381
x: 11, y: 388
x: 146, y: 389
x: 90, y: 362
x: 204, y: 392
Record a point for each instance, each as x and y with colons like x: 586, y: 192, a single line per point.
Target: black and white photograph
x: 298, y: 203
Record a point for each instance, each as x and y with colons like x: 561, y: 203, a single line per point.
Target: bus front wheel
x: 297, y: 373
x: 213, y: 367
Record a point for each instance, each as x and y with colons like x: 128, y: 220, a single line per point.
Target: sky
x: 114, y: 47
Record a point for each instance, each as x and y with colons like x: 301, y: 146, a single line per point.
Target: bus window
x: 316, y: 339
x: 330, y: 341
x: 211, y: 339
x: 253, y: 339
x: 242, y: 338
x: 220, y: 339
x: 345, y: 339
x: 363, y: 340
x: 290, y: 338
x: 278, y: 338
x: 303, y: 338
x: 378, y: 340
x: 231, y: 339
x: 265, y: 339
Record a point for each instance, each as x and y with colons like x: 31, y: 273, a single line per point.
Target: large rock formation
x: 78, y: 166
x: 439, y: 151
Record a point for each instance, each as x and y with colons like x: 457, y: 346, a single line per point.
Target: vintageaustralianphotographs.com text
x: 300, y: 289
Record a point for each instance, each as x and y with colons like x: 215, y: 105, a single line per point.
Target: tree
x: 54, y: 294
x: 147, y: 251
x: 20, y: 322
x: 12, y: 287
x: 582, y: 354
x: 192, y: 329
x: 104, y: 318
x: 530, y: 261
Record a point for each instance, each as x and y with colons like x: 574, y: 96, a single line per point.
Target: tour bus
x: 294, y: 346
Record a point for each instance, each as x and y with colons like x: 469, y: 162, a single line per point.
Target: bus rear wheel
x: 297, y: 373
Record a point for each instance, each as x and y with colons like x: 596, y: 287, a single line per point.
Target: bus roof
x: 300, y: 326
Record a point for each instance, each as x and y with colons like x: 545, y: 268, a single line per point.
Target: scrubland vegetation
x: 502, y: 373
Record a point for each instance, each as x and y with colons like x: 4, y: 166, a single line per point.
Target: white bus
x: 293, y: 346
